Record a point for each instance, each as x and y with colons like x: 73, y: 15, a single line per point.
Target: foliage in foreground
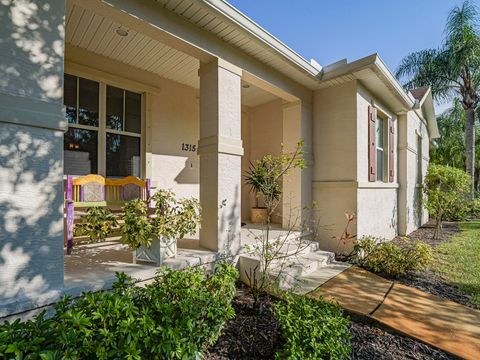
x: 391, y: 259
x: 176, y: 317
x: 458, y: 260
x: 447, y: 194
x: 312, y: 328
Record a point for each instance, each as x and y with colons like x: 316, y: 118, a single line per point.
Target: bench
x: 95, y: 190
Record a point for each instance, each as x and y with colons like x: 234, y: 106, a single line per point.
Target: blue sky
x: 330, y: 30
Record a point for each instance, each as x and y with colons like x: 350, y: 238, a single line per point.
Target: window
x: 419, y: 161
x: 380, y: 143
x: 107, y: 144
x: 80, y: 144
x: 123, y: 132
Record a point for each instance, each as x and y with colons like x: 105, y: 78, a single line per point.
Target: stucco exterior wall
x: 377, y: 212
x: 175, y: 121
x: 31, y: 153
x: 414, y: 134
x: 334, y: 149
x: 262, y: 135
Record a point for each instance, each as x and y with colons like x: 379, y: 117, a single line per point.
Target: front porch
x: 92, y: 267
x: 141, y: 103
x: 149, y: 95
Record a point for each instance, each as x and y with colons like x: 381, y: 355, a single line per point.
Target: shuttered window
x: 391, y: 150
x: 372, y: 148
x: 381, y: 147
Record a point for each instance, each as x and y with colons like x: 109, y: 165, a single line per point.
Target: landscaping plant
x: 169, y: 219
x: 391, y: 259
x: 96, y: 224
x: 176, y: 317
x: 312, y: 328
x: 271, y: 251
x: 447, y: 192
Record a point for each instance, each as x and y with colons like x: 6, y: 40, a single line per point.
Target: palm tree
x: 453, y: 70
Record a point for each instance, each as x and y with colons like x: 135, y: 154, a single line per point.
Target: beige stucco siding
x: 334, y: 133
x: 377, y: 213
x: 32, y: 121
x: 412, y: 213
x: 334, y: 149
x: 175, y: 121
x: 377, y: 201
x: 261, y: 135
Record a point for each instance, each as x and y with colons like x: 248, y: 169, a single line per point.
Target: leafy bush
x: 171, y: 219
x: 312, y: 328
x: 447, y: 192
x: 391, y: 259
x: 474, y: 211
x: 175, y: 317
x: 96, y: 224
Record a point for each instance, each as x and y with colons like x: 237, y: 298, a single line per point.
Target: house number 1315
x: 189, y: 147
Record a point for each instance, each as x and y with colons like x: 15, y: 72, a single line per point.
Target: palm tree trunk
x: 470, y: 145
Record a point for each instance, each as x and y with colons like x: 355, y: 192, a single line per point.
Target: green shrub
x: 312, y: 328
x: 172, y: 219
x: 97, y: 223
x: 390, y: 258
x: 447, y: 192
x: 175, y: 317
x: 474, y: 211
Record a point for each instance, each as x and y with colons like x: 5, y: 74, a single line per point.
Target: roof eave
x: 241, y: 20
x: 429, y: 111
x: 376, y: 64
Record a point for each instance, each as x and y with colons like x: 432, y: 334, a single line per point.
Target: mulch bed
x: 428, y: 281
x: 251, y: 334
x: 254, y: 335
x: 373, y: 342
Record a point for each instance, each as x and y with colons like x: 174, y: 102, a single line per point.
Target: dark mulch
x: 425, y: 233
x: 373, y: 342
x: 428, y: 281
x: 253, y: 335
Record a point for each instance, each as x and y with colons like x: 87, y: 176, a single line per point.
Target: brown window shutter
x: 372, y: 147
x: 391, y: 149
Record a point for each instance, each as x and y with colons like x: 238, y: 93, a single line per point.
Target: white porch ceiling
x: 95, y: 33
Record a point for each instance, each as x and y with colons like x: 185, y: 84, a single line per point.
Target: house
x: 186, y: 93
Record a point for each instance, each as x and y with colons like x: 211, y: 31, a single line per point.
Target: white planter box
x: 160, y: 250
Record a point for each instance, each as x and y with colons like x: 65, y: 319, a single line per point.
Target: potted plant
x: 261, y: 178
x: 152, y: 233
x: 265, y: 180
x: 255, y: 178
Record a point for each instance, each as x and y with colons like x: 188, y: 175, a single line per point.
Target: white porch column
x: 32, y: 122
x: 220, y: 149
x: 297, y: 187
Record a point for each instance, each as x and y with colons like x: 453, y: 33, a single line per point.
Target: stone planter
x: 258, y: 215
x: 160, y: 250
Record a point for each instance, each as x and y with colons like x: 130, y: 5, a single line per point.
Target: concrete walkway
x: 444, y: 324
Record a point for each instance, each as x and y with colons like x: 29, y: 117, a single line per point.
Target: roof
x: 374, y: 75
x: 233, y: 27
x: 419, y: 93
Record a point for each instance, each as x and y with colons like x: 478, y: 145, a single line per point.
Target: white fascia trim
x: 429, y: 110
x: 234, y: 15
x: 392, y: 80
x: 377, y: 65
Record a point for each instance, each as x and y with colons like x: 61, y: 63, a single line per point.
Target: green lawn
x: 458, y: 260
